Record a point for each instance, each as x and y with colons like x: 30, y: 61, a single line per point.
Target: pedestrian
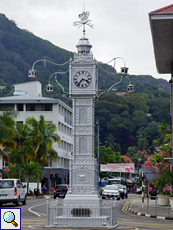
x: 44, y: 188
x: 150, y: 189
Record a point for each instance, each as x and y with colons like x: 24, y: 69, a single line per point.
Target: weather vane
x: 84, y: 20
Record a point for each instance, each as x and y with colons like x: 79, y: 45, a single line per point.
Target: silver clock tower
x: 83, y: 87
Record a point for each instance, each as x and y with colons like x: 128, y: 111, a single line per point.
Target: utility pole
x: 142, y: 189
x: 97, y: 122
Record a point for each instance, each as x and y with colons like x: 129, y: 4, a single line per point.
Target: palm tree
x: 111, y: 142
x: 7, y: 133
x: 163, y: 128
x: 43, y: 135
x: 23, y: 145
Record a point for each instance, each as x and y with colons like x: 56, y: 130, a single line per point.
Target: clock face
x: 82, y: 79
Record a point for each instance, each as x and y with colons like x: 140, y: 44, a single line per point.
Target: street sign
x: 149, y: 173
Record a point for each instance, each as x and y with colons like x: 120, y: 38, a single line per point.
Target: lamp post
x: 97, y: 122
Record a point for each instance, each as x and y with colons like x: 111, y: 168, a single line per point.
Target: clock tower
x: 83, y: 87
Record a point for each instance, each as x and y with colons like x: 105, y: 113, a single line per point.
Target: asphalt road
x: 130, y: 220
x: 34, y: 216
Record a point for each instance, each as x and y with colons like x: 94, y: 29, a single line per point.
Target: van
x: 12, y: 190
x: 117, y: 180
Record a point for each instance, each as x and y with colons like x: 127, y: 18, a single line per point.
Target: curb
x: 150, y: 216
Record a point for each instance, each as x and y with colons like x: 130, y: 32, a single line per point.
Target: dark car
x: 60, y: 190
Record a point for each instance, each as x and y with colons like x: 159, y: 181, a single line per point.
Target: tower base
x: 82, y: 205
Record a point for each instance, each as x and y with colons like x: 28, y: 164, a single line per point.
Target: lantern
x: 32, y: 74
x: 49, y: 88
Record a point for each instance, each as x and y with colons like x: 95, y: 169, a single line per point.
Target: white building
x: 29, y: 102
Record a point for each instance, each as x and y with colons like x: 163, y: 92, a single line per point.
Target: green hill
x: 20, y: 49
x: 125, y: 121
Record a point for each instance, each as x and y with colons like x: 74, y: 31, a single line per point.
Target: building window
x: 20, y: 107
x: 6, y: 106
x: 19, y: 122
x: 38, y: 107
x: 48, y: 107
x: 30, y: 107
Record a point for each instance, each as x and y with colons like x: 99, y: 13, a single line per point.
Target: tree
x: 31, y: 171
x: 139, y: 118
x: 111, y: 142
x: 106, y: 156
x: 132, y: 153
x: 7, y: 133
x: 13, y: 170
x: 43, y: 135
x: 163, y: 129
x: 23, y: 145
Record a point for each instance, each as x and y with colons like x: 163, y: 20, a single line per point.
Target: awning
x: 161, y: 23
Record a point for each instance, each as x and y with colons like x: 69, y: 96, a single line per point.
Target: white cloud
x: 121, y: 27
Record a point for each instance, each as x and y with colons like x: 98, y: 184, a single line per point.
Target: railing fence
x: 158, y: 207
x: 60, y: 215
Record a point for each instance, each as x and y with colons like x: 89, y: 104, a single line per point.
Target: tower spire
x: 84, y: 20
x: 84, y: 45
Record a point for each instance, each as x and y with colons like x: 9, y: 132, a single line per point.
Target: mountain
x: 128, y: 121
x: 20, y: 49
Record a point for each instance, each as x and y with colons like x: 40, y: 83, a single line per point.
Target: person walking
x: 44, y: 188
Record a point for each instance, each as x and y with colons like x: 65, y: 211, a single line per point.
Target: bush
x: 100, y: 191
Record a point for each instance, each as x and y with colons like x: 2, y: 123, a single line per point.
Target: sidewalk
x: 137, y: 207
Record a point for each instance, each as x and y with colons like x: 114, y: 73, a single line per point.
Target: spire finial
x: 84, y: 20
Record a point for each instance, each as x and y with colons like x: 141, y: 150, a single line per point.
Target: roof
x: 161, y: 24
x: 32, y: 99
x: 25, y: 98
x: 164, y: 9
x: 127, y: 159
x: 120, y: 93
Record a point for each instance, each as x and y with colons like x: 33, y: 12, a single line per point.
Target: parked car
x: 111, y: 191
x: 12, y: 190
x: 121, y: 189
x: 60, y: 190
x: 125, y: 191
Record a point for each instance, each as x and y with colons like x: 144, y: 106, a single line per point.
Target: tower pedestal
x: 82, y: 206
x: 83, y: 198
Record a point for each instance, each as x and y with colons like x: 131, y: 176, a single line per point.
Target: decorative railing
x: 102, y: 216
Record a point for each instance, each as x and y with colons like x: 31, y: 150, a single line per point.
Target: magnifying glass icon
x: 9, y: 218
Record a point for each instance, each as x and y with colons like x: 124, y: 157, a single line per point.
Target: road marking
x: 36, y: 213
x: 125, y: 207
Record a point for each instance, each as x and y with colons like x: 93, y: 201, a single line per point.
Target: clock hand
x: 80, y: 81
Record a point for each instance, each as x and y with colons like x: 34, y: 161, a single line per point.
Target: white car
x: 12, y: 190
x: 111, y: 191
